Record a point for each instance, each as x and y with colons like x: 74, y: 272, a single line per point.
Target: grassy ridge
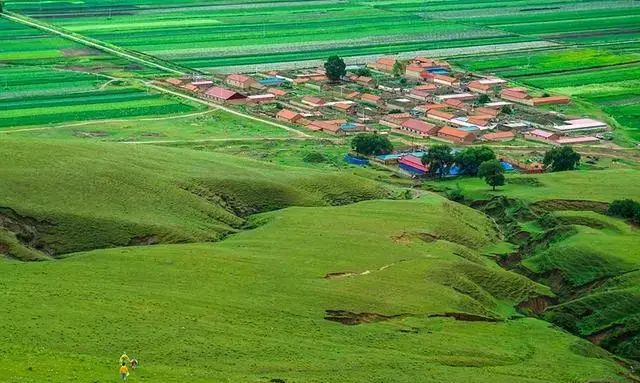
x: 252, y: 307
x: 86, y: 196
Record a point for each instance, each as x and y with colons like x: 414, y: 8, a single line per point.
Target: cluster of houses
x: 431, y: 101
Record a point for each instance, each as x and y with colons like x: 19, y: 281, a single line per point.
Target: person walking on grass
x: 124, y: 358
x: 124, y: 372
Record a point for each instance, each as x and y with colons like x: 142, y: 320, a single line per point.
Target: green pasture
x: 590, y: 185
x: 253, y: 307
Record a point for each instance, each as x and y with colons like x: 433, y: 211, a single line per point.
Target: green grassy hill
x: 60, y: 197
x: 596, y: 268
x: 589, y: 260
x: 365, y: 292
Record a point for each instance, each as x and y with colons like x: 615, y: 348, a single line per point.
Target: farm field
x: 572, y: 40
x: 258, y: 306
x: 48, y: 80
x: 208, y: 37
x: 606, y: 80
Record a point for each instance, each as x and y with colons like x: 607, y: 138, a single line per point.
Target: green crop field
x: 602, y: 79
x: 48, y: 80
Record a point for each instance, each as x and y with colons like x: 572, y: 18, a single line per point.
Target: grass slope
x: 251, y: 308
x: 601, y: 185
x: 62, y: 197
x: 598, y: 265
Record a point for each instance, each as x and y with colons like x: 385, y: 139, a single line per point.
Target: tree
x: 439, y: 160
x: 469, y: 159
x: 371, y: 144
x: 399, y: 68
x: 561, y: 159
x: 506, y: 109
x: 492, y: 172
x: 484, y: 99
x: 335, y: 68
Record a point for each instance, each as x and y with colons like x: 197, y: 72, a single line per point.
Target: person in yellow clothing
x: 124, y: 372
x: 124, y: 358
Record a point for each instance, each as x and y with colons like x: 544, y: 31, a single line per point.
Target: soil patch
x: 466, y: 317
x: 339, y: 275
x: 535, y: 305
x: 353, y: 319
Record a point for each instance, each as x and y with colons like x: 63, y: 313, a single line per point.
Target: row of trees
x: 475, y: 161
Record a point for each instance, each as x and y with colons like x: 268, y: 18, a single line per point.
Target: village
x: 416, y: 100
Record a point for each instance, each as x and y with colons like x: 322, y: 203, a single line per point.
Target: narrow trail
x: 348, y: 274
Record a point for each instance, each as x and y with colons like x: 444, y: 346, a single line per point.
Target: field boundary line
x: 230, y: 139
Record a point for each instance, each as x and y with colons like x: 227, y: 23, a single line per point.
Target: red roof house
x: 417, y: 127
x: 370, y: 98
x: 499, y: 136
x: 456, y: 135
x: 440, y: 115
x: 413, y: 164
x: 384, y: 64
x: 219, y: 94
x: 313, y: 101
x: 243, y: 82
x: 288, y: 116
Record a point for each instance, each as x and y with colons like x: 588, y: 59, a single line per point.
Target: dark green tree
x: 335, y: 68
x: 492, y: 172
x: 469, y: 159
x: 439, y: 160
x: 399, y: 68
x: 561, y: 159
x: 484, y: 99
x: 371, y: 144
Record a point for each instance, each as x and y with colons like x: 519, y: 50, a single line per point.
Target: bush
x: 315, y: 158
x: 565, y: 320
x: 626, y: 208
x: 456, y: 194
x: 364, y: 71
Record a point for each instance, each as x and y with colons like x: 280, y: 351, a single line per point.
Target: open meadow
x: 293, y: 298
